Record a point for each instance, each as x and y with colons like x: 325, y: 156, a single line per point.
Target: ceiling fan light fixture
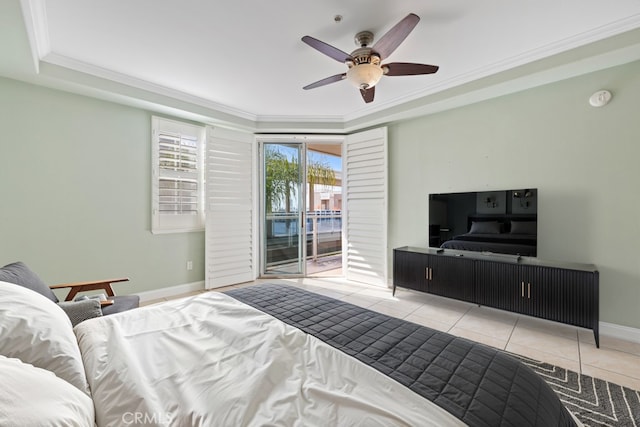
x: 364, y: 76
x: 364, y: 67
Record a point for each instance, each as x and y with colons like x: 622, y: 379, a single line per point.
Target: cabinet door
x: 409, y: 269
x: 566, y: 296
x: 535, y: 281
x: 498, y: 285
x: 583, y: 300
x: 450, y: 277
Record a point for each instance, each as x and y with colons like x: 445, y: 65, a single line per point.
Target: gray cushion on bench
x: 79, y: 311
x: 121, y: 303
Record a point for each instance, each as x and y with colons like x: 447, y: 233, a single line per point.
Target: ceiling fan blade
x: 326, y: 81
x: 368, y: 94
x: 392, y: 39
x: 408, y: 69
x: 327, y: 49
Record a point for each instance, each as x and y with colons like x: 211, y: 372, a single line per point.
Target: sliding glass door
x: 284, y: 232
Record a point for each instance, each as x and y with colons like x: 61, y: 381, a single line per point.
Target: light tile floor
x: 570, y: 347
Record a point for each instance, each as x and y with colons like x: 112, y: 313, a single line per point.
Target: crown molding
x: 436, y: 97
x: 613, y: 29
x: 104, y: 73
x: 547, y: 71
x: 34, y: 13
x: 299, y: 119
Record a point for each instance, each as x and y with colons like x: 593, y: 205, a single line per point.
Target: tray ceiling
x: 246, y: 60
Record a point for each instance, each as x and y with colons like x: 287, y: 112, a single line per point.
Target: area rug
x: 593, y: 401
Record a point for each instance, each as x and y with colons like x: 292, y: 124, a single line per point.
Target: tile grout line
x: 460, y: 318
x: 511, y: 334
x: 579, y: 351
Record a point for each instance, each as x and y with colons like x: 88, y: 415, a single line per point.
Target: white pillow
x: 31, y: 396
x: 35, y: 330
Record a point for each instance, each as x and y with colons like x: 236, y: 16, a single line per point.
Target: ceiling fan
x: 365, y: 63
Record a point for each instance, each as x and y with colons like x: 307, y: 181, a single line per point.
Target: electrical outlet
x: 189, y: 265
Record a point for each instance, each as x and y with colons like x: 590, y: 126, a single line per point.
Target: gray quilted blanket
x: 480, y: 385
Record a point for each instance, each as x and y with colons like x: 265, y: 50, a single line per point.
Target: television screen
x: 503, y: 222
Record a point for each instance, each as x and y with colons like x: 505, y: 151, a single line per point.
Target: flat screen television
x: 504, y: 222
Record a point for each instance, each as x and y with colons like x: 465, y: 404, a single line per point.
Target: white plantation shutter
x: 177, y: 176
x: 365, y: 198
x: 230, y: 221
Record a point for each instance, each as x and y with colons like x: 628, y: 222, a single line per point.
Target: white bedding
x: 213, y: 361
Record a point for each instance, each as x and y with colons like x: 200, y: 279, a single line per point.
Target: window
x: 177, y: 176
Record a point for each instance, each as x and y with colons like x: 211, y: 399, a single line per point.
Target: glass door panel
x: 284, y: 236
x: 324, y: 209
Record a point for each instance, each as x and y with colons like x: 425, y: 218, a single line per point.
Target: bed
x: 266, y: 354
x: 507, y: 234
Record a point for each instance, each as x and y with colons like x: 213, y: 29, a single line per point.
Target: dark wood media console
x: 562, y: 292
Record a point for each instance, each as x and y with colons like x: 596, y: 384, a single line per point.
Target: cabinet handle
x: 426, y: 273
x: 528, y: 290
x: 430, y: 273
x: 522, y: 289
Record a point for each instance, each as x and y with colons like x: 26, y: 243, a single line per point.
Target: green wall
x: 583, y: 160
x: 75, y: 182
x: 75, y: 188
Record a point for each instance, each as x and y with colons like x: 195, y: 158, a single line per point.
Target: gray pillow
x: 79, y: 311
x: 485, y: 227
x: 19, y: 274
x: 524, y: 227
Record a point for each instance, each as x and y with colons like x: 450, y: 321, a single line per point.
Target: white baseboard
x: 618, y: 331
x: 170, y: 291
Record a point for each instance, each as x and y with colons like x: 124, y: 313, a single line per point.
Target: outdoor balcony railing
x: 323, y: 235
